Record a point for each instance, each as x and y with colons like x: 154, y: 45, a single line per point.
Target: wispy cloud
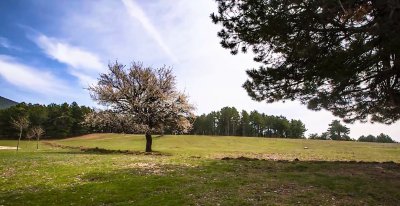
x: 148, y: 31
x: 138, y: 14
x: 29, y: 78
x: 4, y: 42
x: 83, y: 64
x: 68, y: 54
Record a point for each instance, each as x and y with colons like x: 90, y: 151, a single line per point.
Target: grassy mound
x: 197, y: 170
x: 261, y: 148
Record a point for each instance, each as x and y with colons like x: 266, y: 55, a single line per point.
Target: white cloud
x: 82, y: 64
x: 138, y: 14
x: 4, y: 42
x: 211, y: 76
x: 84, y: 79
x: 29, y: 78
x: 71, y: 55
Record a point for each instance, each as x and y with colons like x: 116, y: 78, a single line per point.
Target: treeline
x: 382, y: 138
x: 57, y: 120
x: 229, y: 122
x: 337, y: 131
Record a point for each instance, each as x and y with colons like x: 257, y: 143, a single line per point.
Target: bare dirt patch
x: 146, y: 168
x: 254, y: 156
x: 91, y: 136
x: 8, y: 172
x: 7, y: 147
x: 105, y: 151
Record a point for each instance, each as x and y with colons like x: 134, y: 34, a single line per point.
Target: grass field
x: 199, y: 170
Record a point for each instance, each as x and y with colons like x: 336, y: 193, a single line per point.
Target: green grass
x: 263, y: 148
x: 192, y: 173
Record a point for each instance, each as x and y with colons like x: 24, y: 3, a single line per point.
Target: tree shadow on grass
x: 225, y: 182
x: 97, y: 150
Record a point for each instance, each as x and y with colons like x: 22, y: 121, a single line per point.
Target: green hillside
x: 6, y: 103
x: 199, y: 170
x: 253, y: 147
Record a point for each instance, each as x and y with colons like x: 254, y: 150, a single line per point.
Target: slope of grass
x: 194, y: 174
x: 262, y: 148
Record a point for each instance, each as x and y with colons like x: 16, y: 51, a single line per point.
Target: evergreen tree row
x: 58, y: 121
x: 337, y: 131
x: 382, y: 138
x: 229, y: 122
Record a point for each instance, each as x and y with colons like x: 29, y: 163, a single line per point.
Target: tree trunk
x: 20, y: 135
x: 149, y: 141
x: 37, y: 143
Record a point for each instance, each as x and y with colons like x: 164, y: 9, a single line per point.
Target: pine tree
x: 342, y: 56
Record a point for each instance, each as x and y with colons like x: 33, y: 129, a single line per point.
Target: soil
x: 7, y: 147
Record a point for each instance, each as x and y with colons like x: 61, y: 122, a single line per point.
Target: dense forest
x: 228, y: 121
x: 58, y: 121
x: 381, y: 138
x: 66, y: 120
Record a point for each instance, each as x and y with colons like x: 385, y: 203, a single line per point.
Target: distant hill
x: 6, y: 103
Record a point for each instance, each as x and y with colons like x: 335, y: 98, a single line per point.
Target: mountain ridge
x: 6, y: 103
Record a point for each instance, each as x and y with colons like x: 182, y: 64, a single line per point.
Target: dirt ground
x: 6, y: 147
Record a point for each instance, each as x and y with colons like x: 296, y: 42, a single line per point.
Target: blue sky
x: 51, y: 50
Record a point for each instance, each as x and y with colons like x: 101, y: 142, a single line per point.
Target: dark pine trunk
x: 149, y: 141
